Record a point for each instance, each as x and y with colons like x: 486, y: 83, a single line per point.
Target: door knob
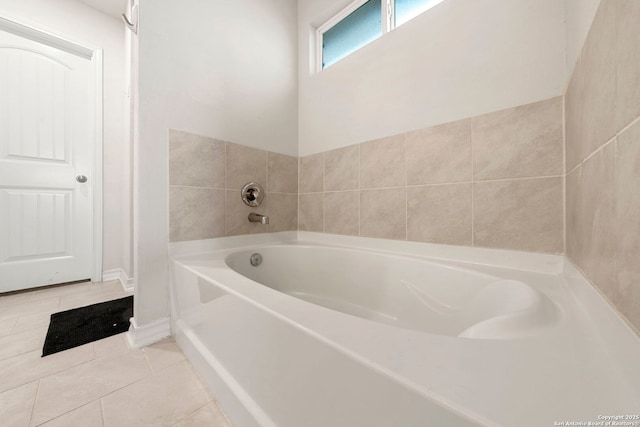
x: 81, y: 178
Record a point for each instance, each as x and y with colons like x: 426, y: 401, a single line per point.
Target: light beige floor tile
x: 72, y: 291
x: 163, y: 354
x: 7, y: 326
x: 209, y: 416
x: 16, y: 344
x: 48, y: 305
x: 75, y: 387
x: 115, y: 345
x: 161, y: 400
x: 58, y: 291
x: 93, y: 290
x: 89, y: 415
x: 15, y: 298
x: 111, y: 285
x: 28, y: 367
x: 75, y: 380
x: 16, y: 405
x: 31, y: 321
x: 74, y: 301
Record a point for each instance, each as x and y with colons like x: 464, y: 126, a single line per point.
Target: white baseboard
x: 140, y: 336
x: 128, y: 283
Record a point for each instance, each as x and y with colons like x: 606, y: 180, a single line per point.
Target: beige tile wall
x: 205, y: 178
x: 602, y: 109
x: 495, y: 180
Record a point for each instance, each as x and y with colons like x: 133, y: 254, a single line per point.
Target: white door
x: 46, y: 144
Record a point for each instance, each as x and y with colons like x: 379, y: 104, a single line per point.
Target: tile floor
x: 104, y: 383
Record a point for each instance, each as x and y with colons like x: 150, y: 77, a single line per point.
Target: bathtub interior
x: 402, y: 291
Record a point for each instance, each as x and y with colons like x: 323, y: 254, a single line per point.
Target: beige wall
x: 459, y: 59
x: 494, y: 180
x: 603, y: 157
x: 205, y: 179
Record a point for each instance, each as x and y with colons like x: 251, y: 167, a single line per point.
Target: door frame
x: 95, y: 55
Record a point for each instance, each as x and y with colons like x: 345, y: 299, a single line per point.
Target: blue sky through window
x: 358, y: 29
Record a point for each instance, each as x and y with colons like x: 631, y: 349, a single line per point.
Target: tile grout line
x: 606, y: 143
x: 628, y: 126
x: 324, y: 186
x: 35, y: 399
x: 195, y: 186
x: 190, y: 414
x: 594, y: 153
x: 406, y: 191
x: 119, y: 388
x: 224, y: 203
x: 146, y: 359
x: 523, y: 178
x: 298, y: 196
x: 13, y: 327
x: 442, y: 184
x: 473, y: 202
x: 23, y: 352
x: 219, y: 409
x: 359, y: 191
x: 266, y: 186
x: 297, y: 193
x: 104, y: 395
x: 104, y: 421
x: 75, y: 409
x: 564, y: 173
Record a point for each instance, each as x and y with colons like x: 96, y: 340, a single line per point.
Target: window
x: 362, y: 22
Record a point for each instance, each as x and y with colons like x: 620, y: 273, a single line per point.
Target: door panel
x: 46, y: 140
x: 37, y: 224
x: 35, y: 116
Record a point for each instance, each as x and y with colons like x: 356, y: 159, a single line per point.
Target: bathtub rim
x: 185, y: 335
x: 589, y: 297
x: 614, y: 332
x: 502, y: 258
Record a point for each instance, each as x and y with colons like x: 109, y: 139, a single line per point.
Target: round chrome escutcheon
x: 256, y: 259
x: 252, y: 194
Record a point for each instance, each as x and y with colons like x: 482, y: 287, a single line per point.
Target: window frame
x: 387, y: 12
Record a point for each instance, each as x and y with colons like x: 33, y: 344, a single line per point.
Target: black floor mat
x: 83, y: 325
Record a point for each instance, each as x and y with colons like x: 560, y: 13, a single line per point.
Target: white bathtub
x: 335, y: 331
